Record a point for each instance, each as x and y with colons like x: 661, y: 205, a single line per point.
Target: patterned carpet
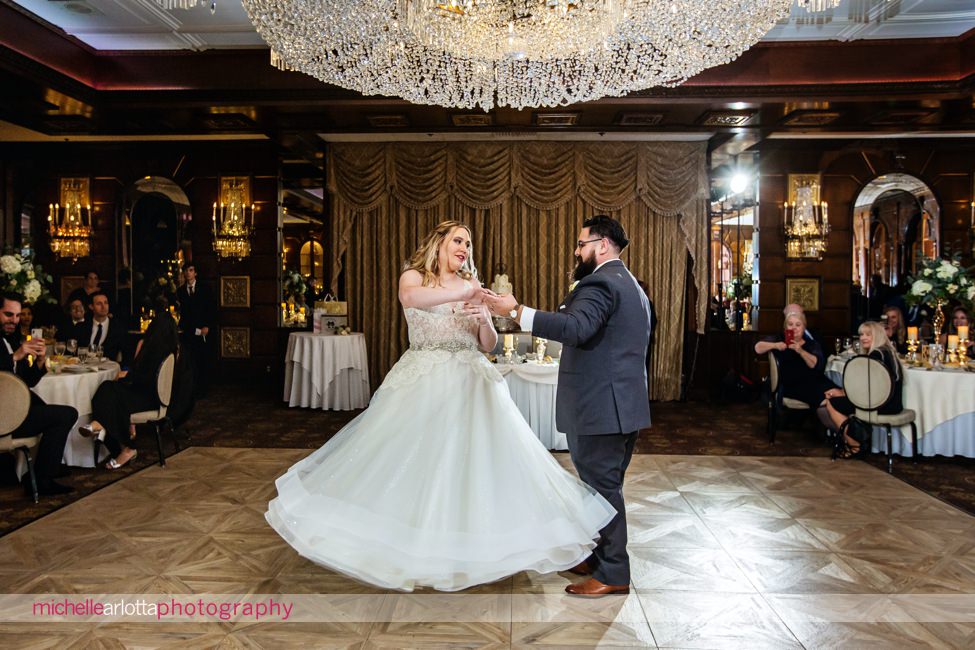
x: 253, y: 417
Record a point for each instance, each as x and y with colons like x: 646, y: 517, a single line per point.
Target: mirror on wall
x: 732, y: 250
x: 896, y: 223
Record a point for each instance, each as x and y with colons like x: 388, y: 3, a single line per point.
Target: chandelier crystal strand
x: 814, y: 6
x: 518, y: 53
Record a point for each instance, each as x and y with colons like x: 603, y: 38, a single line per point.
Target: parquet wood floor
x: 726, y: 552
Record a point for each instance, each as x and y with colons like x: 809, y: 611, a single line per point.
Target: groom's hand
x: 502, y: 305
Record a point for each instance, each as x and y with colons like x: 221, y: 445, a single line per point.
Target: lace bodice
x: 438, y: 335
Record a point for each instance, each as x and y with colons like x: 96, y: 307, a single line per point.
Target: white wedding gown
x: 440, y: 482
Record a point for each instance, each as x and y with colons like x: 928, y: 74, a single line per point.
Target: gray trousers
x: 601, y: 462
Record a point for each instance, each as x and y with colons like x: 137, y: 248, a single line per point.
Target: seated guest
x: 53, y: 422
x: 959, y: 318
x: 895, y: 329
x: 26, y: 319
x: 875, y: 344
x: 115, y: 401
x: 85, y: 291
x: 795, y: 308
x: 801, y: 362
x: 75, y: 325
x: 102, y: 329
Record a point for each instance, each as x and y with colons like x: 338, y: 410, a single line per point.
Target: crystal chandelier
x: 813, y: 6
x: 231, y: 229
x: 518, y: 53
x: 186, y: 4
x: 806, y: 229
x: 69, y: 230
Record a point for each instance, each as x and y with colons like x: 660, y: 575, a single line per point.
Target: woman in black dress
x: 115, y: 401
x: 801, y: 362
x: 875, y: 344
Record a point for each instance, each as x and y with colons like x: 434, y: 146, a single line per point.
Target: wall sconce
x: 231, y: 227
x: 805, y: 219
x: 69, y: 220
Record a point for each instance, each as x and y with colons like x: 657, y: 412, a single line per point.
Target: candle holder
x: 963, y: 351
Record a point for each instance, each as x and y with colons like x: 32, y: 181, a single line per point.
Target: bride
x: 440, y: 482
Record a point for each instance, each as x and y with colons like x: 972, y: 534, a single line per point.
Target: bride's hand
x: 479, y: 313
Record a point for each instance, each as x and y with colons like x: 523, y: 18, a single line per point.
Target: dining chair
x: 14, y: 405
x: 868, y: 385
x: 776, y: 401
x: 157, y: 417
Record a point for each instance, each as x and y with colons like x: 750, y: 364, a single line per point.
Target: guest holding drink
x: 801, y: 361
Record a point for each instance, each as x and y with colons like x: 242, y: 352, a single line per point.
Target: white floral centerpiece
x: 939, y: 282
x: 20, y: 274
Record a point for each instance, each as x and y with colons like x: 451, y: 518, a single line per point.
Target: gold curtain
x: 525, y: 203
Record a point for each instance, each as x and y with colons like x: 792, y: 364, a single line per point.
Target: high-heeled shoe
x: 114, y: 464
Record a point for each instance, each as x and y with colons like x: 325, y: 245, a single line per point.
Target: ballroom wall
x: 31, y: 177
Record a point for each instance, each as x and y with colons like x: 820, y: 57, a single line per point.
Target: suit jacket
x: 196, y: 311
x: 113, y: 342
x: 69, y: 330
x: 31, y: 374
x: 604, y: 326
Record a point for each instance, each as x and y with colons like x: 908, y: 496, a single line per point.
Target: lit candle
x: 509, y: 341
x: 952, y: 341
x: 963, y: 332
x: 912, y: 334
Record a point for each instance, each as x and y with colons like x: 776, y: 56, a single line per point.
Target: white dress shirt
x: 94, y: 330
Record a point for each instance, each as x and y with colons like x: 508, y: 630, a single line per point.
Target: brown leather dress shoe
x: 581, y: 569
x: 593, y: 588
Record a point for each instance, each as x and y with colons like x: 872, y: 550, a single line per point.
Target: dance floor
x: 742, y: 552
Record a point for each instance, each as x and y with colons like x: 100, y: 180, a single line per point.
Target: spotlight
x: 739, y: 183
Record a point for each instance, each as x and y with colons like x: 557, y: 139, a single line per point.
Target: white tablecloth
x: 944, y: 401
x: 326, y: 371
x: 76, y: 389
x: 532, y: 388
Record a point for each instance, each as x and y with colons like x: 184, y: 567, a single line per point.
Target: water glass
x: 839, y: 345
x: 59, y: 348
x: 83, y: 355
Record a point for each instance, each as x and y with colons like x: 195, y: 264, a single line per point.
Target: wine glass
x: 59, y: 348
x: 839, y: 345
x: 83, y: 355
x: 72, y: 347
x: 848, y: 344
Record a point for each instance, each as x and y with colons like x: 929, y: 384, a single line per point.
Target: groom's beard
x: 584, y: 267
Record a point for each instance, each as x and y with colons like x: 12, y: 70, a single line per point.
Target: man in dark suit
x: 101, y: 329
x: 75, y: 324
x: 27, y: 360
x: 197, y: 312
x: 601, y: 402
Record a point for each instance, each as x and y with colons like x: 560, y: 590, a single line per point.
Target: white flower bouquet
x: 941, y: 281
x: 20, y: 274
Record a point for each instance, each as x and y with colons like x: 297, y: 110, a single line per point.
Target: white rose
x: 920, y: 288
x: 32, y: 291
x: 927, y: 272
x: 30, y: 274
x: 9, y: 264
x: 952, y: 288
x: 948, y: 268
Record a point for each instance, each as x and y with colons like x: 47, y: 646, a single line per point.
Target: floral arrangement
x: 293, y: 286
x: 941, y: 281
x: 20, y: 274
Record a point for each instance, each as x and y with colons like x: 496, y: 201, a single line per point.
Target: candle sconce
x: 805, y: 219
x: 232, y: 228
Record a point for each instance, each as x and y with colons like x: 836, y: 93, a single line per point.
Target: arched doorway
x: 896, y: 222
x: 153, y: 250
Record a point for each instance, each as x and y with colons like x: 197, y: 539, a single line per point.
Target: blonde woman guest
x: 876, y: 345
x: 801, y: 362
x: 440, y: 482
x: 894, y: 328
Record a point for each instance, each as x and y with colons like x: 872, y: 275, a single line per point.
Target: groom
x: 601, y: 403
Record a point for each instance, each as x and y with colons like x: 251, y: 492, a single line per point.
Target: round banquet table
x: 326, y: 371
x: 533, y: 387
x: 71, y: 388
x: 944, y: 403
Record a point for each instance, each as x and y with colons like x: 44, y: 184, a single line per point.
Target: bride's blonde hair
x: 426, y: 259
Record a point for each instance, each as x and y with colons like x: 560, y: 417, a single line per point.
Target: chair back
x: 164, y: 383
x: 867, y: 383
x: 773, y: 373
x: 14, y: 402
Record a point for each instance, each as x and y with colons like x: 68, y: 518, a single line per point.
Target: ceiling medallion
x: 518, y: 53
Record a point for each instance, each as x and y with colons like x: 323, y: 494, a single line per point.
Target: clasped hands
x: 481, y: 303
x: 34, y: 347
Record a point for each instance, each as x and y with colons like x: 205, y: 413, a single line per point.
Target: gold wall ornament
x: 805, y: 218
x: 232, y: 227
x: 235, y: 291
x: 69, y: 220
x: 235, y: 342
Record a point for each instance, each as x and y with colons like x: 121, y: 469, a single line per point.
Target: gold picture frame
x: 803, y: 292
x: 235, y: 291
x: 813, y: 181
x: 235, y: 342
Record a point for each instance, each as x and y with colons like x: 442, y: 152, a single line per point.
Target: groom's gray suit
x: 601, y: 403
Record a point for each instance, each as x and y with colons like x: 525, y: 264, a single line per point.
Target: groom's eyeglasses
x: 580, y: 243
